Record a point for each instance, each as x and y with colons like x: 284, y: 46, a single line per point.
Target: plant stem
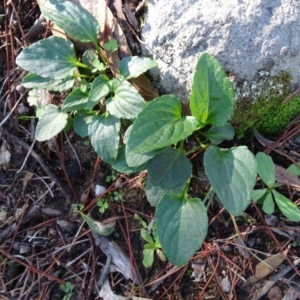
x: 102, y: 58
x: 195, y: 149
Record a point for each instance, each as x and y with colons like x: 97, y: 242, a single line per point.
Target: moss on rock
x: 260, y: 105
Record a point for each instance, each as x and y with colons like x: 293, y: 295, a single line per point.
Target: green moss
x: 263, y: 107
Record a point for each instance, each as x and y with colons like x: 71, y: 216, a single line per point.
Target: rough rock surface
x: 245, y: 36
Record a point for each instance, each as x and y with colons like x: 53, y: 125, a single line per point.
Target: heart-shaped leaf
x: 52, y: 58
x: 232, y: 174
x: 169, y: 169
x: 51, y: 122
x: 212, y: 96
x: 134, y: 66
x: 127, y: 103
x: 181, y: 226
x: 73, y: 19
x: 104, y: 134
x: 160, y: 125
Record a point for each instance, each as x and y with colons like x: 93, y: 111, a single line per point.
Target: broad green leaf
x: 268, y: 204
x: 169, y: 169
x: 126, y: 103
x: 100, y: 89
x: 265, y: 169
x: 134, y: 66
x: 287, y: 207
x: 181, y: 225
x: 121, y: 165
x: 32, y: 81
x: 52, y: 58
x: 160, y: 125
x: 137, y: 159
x: 212, y: 97
x: 104, y: 134
x: 217, y: 134
x: 232, y: 174
x: 76, y: 100
x: 294, y: 169
x: 51, y: 122
x: 73, y: 19
x: 81, y: 123
x: 154, y: 194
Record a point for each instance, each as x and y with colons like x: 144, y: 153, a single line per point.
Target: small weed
x: 77, y: 206
x: 102, y: 205
x: 114, y: 196
x: 67, y: 289
x: 267, y: 197
x: 148, y: 233
x: 114, y: 175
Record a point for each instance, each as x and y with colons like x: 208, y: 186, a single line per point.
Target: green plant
x: 156, y: 139
x: 153, y: 245
x: 114, y: 196
x: 76, y: 206
x: 111, y: 178
x: 269, y: 195
x: 96, y: 102
x: 102, y: 205
x: 67, y: 289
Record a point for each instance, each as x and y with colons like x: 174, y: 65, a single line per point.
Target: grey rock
x: 245, y: 36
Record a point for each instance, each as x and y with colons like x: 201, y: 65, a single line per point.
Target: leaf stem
x: 195, y: 149
x: 103, y: 59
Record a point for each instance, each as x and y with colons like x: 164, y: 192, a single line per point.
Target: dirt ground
x: 47, y: 251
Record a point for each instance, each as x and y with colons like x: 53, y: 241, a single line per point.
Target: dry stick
x: 40, y: 161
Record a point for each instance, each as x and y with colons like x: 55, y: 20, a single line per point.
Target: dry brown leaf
x: 286, y: 177
x: 267, y: 266
x: 26, y: 178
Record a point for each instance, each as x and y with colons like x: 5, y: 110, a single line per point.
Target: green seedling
x: 77, y: 206
x: 102, y: 205
x: 114, y: 196
x: 155, y: 142
x: 152, y: 245
x: 67, y: 289
x: 114, y: 175
x: 268, y: 196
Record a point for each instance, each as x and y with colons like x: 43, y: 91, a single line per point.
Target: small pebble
x: 99, y: 189
x: 20, y: 88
